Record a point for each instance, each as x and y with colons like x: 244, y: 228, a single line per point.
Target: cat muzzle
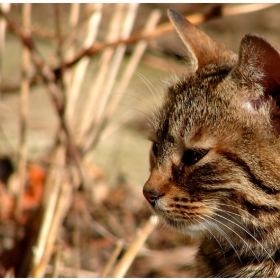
x: 151, y: 195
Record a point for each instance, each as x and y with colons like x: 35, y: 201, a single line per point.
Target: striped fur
x: 215, y: 158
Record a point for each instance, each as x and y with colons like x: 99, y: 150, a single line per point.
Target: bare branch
x: 215, y: 11
x: 56, y: 93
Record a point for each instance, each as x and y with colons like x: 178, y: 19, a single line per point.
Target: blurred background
x: 78, y: 82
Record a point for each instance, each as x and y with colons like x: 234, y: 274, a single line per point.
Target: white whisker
x: 248, y: 232
x: 150, y: 87
x: 240, y: 209
x: 238, y: 215
x: 206, y: 221
x: 139, y: 99
x: 234, y: 233
x: 224, y: 235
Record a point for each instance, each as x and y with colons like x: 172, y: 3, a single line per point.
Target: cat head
x: 215, y: 147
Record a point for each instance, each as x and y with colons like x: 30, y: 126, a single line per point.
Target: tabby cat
x: 215, y: 156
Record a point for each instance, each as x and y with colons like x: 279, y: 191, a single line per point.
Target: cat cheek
x: 249, y: 107
x: 181, y: 174
x: 152, y: 161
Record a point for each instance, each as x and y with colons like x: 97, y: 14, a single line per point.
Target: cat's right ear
x: 201, y: 49
x: 259, y: 63
x: 259, y: 57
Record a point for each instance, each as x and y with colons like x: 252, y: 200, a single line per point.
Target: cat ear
x: 260, y: 59
x: 259, y: 63
x: 201, y: 49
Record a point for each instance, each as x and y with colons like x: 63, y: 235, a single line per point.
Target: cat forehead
x: 206, y: 84
x: 199, y: 111
x: 194, y: 100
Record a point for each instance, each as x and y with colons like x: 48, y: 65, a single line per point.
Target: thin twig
x: 62, y: 205
x: 133, y: 62
x: 56, y: 93
x: 96, y: 226
x: 112, y: 260
x: 125, y: 79
x: 69, y: 272
x: 128, y: 23
x: 217, y: 11
x: 49, y: 202
x: 100, y: 76
x: 214, y: 12
x: 56, y: 262
x: 59, y: 36
x: 73, y: 22
x: 76, y: 238
x: 59, y: 204
x: 112, y: 74
x: 80, y: 70
x: 25, y: 65
x: 124, y: 264
x: 6, y: 7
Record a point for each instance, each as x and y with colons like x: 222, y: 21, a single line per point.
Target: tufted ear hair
x: 201, y: 49
x: 259, y: 63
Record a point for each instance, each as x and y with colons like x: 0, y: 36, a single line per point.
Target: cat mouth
x: 181, y: 217
x: 180, y: 222
x: 188, y: 227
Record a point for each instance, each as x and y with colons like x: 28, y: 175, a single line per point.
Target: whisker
x: 147, y: 115
x: 248, y: 232
x: 197, y: 221
x: 139, y: 99
x: 232, y: 213
x: 222, y: 232
x: 150, y: 87
x: 240, y: 209
x: 227, y: 212
x: 206, y: 221
x: 236, y: 234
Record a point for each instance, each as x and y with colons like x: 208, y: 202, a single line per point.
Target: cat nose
x: 151, y: 195
x: 155, y: 187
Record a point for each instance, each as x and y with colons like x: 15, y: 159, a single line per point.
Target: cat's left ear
x: 201, y: 50
x: 259, y: 63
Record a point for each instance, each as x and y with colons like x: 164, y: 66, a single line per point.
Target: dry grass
x: 58, y: 216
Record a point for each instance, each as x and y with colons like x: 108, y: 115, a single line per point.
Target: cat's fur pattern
x: 226, y: 107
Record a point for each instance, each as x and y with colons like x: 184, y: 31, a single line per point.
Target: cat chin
x: 194, y: 229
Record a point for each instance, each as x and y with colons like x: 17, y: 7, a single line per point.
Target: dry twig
x: 25, y: 67
x: 58, y: 188
x: 55, y: 91
x: 215, y: 12
x: 3, y: 25
x: 124, y: 81
x: 79, y: 72
x: 109, y: 265
x: 124, y: 264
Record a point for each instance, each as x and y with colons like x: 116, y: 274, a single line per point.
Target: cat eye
x: 191, y: 157
x: 155, y: 148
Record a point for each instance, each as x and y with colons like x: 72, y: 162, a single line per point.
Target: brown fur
x: 215, y: 160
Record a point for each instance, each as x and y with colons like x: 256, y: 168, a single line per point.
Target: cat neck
x: 250, y: 259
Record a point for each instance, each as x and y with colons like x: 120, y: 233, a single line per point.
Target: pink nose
x: 156, y: 186
x: 151, y: 195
